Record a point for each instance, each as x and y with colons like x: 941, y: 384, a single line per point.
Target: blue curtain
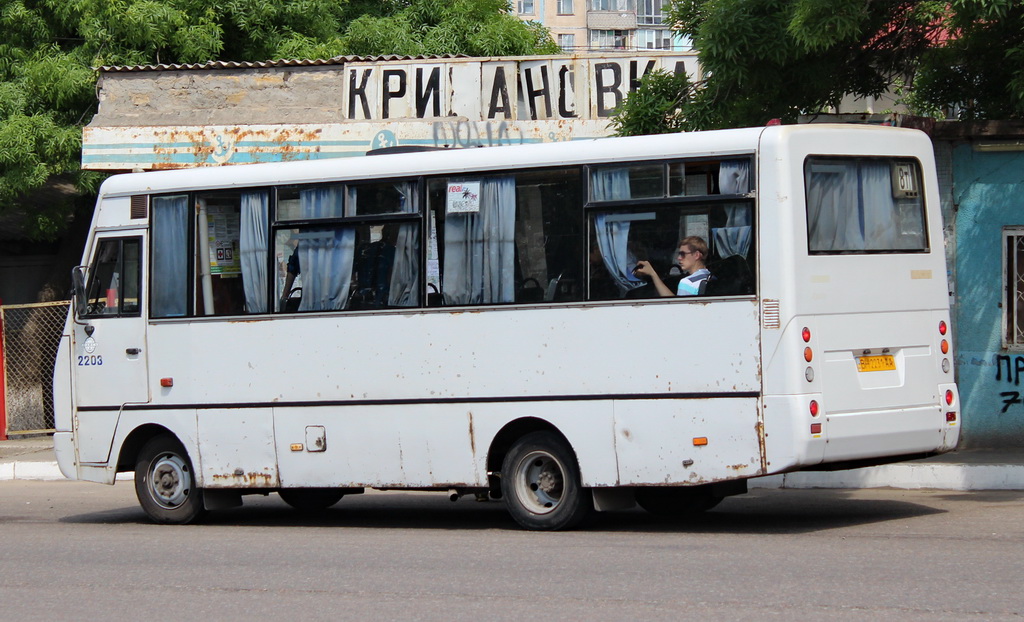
x: 253, y: 249
x: 325, y: 255
x: 404, y: 289
x: 479, y: 259
x: 850, y: 207
x: 170, y: 280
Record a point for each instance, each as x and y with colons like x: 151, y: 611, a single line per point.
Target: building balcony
x: 611, y: 20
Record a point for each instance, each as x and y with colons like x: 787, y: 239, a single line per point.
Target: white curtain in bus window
x: 325, y: 255
x: 170, y: 277
x: 851, y: 207
x: 734, y: 177
x: 735, y: 237
x: 479, y: 257
x: 253, y: 250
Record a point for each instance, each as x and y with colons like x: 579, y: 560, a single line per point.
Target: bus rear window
x: 864, y: 205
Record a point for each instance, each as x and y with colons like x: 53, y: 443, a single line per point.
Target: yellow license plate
x: 884, y: 362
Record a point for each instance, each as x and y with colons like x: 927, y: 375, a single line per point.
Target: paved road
x: 79, y: 551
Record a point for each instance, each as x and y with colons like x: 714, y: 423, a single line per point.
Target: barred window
x: 1013, y: 279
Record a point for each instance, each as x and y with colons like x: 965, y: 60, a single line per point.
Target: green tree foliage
x: 471, y: 27
x: 765, y: 59
x: 50, y: 47
x: 978, y: 70
x: 655, y: 108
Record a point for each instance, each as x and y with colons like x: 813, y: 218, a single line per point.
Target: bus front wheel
x: 540, y: 482
x: 165, y: 482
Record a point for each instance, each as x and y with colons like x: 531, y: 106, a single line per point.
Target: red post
x: 3, y: 382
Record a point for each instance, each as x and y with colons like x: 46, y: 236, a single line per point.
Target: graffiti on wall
x: 1008, y: 370
x: 463, y: 133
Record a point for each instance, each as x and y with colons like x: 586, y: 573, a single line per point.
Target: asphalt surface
x: 82, y: 551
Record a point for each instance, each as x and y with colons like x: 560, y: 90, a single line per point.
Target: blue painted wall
x: 988, y: 190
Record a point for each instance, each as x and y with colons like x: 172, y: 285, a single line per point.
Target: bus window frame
x: 92, y: 275
x: 889, y: 159
x: 348, y: 220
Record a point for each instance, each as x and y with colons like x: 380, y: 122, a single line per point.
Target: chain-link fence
x: 31, y: 335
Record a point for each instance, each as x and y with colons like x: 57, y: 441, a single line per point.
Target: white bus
x: 471, y: 321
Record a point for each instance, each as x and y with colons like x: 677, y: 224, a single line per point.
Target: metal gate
x: 31, y: 335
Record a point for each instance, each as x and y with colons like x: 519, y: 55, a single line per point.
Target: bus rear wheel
x: 540, y: 482
x: 310, y: 499
x: 165, y: 482
x: 677, y: 502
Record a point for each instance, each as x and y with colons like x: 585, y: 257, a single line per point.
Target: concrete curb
x: 952, y: 476
x: 909, y: 476
x: 30, y: 470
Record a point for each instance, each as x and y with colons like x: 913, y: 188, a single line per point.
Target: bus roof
x: 716, y: 143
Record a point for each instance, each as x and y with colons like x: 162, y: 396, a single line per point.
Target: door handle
x: 132, y: 350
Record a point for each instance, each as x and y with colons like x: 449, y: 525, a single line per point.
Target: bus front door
x: 109, y: 355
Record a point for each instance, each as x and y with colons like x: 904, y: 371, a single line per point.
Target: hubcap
x: 539, y: 482
x: 170, y: 481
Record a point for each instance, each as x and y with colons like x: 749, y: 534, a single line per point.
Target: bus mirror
x: 78, y: 292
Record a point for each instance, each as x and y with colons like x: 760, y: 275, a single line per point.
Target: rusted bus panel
x: 154, y: 148
x: 236, y: 449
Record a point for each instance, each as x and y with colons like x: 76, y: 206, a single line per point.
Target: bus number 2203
x: 90, y: 359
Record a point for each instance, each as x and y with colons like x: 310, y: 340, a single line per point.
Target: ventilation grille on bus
x: 140, y: 206
x: 770, y: 313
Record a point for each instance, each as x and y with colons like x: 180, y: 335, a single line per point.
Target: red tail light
x: 942, y: 327
x: 949, y: 397
x: 814, y: 408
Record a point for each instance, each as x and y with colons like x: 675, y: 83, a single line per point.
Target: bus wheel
x: 677, y: 502
x: 165, y: 483
x: 310, y: 499
x: 540, y: 482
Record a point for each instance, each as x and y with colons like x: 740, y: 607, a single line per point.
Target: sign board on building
x: 211, y: 115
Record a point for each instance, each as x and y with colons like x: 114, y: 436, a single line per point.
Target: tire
x: 540, y: 482
x: 677, y: 502
x: 311, y: 499
x: 165, y: 482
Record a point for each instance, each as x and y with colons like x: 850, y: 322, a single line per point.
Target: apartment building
x: 584, y: 25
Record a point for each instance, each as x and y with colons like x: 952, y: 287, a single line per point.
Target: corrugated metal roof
x: 222, y: 64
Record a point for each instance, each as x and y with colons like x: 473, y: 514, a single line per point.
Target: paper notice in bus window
x: 463, y: 197
x: 224, y: 236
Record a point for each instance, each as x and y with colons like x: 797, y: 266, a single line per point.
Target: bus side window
x: 506, y: 238
x: 114, y: 282
x: 349, y: 247
x: 231, y: 276
x: 622, y: 237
